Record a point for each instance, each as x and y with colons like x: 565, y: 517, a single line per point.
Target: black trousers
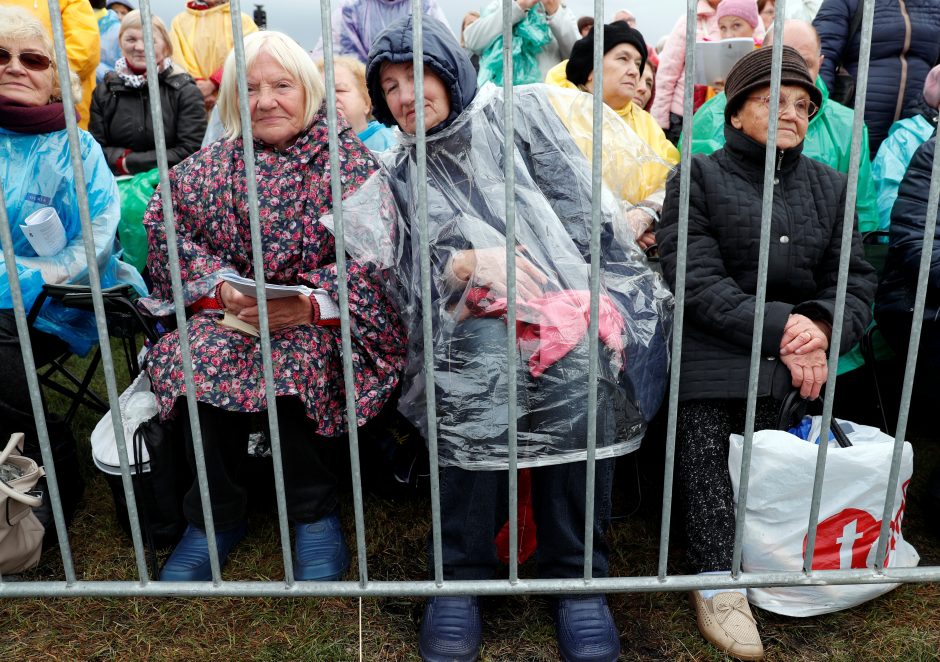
x: 16, y: 410
x: 702, y: 433
x: 308, y: 459
x: 474, y: 507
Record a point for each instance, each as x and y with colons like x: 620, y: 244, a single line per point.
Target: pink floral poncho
x: 211, y: 209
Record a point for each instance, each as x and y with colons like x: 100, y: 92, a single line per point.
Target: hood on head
x: 442, y: 55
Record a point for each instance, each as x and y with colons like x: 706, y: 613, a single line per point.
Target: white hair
x: 290, y: 55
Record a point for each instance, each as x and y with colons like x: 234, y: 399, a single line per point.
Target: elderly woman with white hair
x: 120, y: 107
x: 211, y: 203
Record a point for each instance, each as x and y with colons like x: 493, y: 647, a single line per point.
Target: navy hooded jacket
x: 442, y: 55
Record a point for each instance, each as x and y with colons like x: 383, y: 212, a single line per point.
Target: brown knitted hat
x: 753, y: 71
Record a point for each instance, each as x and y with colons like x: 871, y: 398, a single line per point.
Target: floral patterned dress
x: 211, y: 209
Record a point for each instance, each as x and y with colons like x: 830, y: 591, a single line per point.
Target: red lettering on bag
x: 844, y: 540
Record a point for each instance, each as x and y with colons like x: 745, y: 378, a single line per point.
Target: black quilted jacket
x: 120, y: 120
x: 721, y: 286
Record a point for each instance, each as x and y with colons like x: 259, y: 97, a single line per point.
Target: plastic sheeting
x: 36, y: 171
x: 466, y: 225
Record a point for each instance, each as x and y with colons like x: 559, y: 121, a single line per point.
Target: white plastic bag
x: 778, y: 503
x: 138, y: 404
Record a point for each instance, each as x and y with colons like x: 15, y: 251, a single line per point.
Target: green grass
x: 903, y: 625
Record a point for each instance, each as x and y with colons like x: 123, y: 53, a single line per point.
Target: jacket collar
x: 744, y: 148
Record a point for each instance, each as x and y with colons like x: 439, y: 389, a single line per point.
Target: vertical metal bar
x: 920, y: 299
x: 509, y: 172
x: 257, y: 255
x: 845, y: 255
x: 160, y: 146
x: 81, y: 193
x: 681, y: 262
x: 761, y: 297
x: 340, y: 237
x: 427, y: 326
x: 32, y: 378
x: 173, y: 265
x: 597, y: 184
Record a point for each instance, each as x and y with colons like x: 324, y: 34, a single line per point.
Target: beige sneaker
x: 726, y: 622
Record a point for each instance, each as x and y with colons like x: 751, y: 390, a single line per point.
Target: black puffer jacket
x: 908, y: 219
x: 120, y: 120
x: 724, y: 238
x: 904, y: 47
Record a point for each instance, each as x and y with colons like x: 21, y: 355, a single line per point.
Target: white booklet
x: 247, y: 287
x: 714, y: 59
x: 45, y: 232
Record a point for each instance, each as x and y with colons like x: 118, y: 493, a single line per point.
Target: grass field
x: 903, y: 625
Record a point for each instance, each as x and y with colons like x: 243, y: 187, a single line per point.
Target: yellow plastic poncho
x: 622, y: 130
x: 202, y: 38
x: 82, y: 43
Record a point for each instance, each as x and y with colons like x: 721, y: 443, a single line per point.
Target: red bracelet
x: 207, y: 302
x: 315, y: 309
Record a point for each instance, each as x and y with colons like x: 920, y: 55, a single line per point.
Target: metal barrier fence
x: 662, y: 581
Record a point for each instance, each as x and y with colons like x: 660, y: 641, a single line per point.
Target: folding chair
x: 124, y: 321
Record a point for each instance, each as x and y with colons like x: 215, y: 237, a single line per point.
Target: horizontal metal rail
x: 436, y: 585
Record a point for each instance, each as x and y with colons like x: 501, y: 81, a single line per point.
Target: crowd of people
x: 553, y: 86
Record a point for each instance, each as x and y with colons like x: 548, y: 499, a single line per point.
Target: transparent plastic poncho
x: 466, y: 219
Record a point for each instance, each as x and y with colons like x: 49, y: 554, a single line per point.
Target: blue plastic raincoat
x: 36, y: 171
x: 895, y: 155
x: 110, y: 27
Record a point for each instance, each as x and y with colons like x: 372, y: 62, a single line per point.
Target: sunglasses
x: 31, y: 61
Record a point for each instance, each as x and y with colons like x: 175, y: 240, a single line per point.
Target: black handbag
x: 843, y: 87
x: 159, y: 491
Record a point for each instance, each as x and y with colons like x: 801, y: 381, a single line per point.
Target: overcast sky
x: 301, y: 18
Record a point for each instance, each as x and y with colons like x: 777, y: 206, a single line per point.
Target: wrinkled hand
x: 646, y: 240
x: 282, y: 313
x: 802, y: 335
x: 808, y: 372
x: 486, y: 267
x: 234, y: 301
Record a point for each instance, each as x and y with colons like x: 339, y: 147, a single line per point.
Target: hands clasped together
x: 282, y: 313
x: 803, y: 351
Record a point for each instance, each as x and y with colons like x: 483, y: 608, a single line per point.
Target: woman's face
x: 645, y: 89
x: 754, y: 115
x: 120, y: 10
x: 621, y: 75
x: 397, y: 81
x: 767, y: 13
x: 349, y: 100
x: 32, y: 83
x: 132, y: 47
x: 732, y: 27
x: 276, y: 101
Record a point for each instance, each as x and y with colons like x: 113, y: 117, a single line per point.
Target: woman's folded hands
x: 282, y: 313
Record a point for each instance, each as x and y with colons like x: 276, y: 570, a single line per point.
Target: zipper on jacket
x: 902, y: 7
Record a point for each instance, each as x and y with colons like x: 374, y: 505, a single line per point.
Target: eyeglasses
x: 32, y: 61
x: 804, y: 107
